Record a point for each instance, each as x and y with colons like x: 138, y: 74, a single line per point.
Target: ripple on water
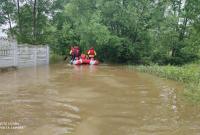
x: 44, y: 110
x: 101, y: 101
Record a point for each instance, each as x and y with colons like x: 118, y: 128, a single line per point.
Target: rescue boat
x: 84, y: 60
x: 90, y: 61
x: 76, y: 62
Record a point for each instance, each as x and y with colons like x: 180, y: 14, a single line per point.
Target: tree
x: 125, y: 31
x: 7, y: 8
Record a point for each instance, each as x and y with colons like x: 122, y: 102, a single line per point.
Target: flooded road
x: 92, y: 100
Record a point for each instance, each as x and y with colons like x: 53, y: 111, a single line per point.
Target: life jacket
x: 91, y: 52
x: 76, y: 51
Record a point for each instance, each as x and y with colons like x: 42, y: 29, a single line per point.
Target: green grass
x: 188, y: 74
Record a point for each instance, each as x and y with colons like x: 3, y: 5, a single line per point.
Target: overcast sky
x: 3, y: 34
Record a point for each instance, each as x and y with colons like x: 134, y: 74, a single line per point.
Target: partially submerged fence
x: 16, y: 55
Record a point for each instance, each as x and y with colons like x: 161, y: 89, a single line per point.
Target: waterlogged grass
x: 55, y: 58
x: 192, y: 92
x: 185, y: 74
x: 188, y: 74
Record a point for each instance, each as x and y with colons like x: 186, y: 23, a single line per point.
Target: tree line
x: 122, y: 31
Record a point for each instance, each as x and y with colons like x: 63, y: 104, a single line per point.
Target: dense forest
x: 122, y: 31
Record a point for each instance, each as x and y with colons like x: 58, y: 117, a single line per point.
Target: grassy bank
x: 188, y: 74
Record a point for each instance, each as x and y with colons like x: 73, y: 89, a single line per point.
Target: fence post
x: 47, y: 56
x: 15, y: 54
x: 35, y: 55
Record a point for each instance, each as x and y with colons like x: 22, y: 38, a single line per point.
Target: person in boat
x: 91, y: 53
x: 83, y: 56
x: 75, y: 53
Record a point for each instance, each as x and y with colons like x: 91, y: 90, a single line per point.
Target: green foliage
x: 186, y: 74
x: 125, y: 31
x: 7, y: 9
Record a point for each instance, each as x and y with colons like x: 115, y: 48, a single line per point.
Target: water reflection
x: 85, y: 68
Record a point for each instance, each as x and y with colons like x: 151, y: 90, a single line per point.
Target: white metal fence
x: 13, y: 54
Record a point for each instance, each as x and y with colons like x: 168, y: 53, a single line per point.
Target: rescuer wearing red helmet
x: 75, y: 52
x: 91, y: 53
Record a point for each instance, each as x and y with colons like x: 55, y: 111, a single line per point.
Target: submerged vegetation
x: 188, y: 74
x: 55, y: 58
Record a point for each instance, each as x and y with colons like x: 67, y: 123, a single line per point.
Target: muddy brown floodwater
x: 92, y: 100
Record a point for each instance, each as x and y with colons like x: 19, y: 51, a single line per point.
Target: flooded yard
x: 93, y: 100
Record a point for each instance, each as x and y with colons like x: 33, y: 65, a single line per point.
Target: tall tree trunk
x: 176, y: 6
x: 19, y: 18
x: 34, y: 21
x: 179, y: 7
x: 183, y: 29
x: 10, y: 25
